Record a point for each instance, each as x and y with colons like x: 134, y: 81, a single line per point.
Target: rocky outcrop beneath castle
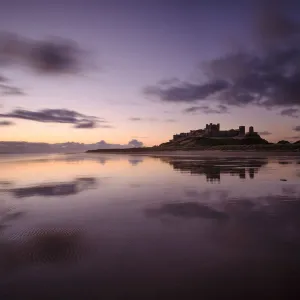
x: 194, y: 142
x: 211, y: 135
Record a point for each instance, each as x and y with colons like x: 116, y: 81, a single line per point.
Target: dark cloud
x: 185, y: 91
x: 45, y: 56
x: 272, y: 25
x: 6, y: 123
x: 220, y: 109
x: 55, y: 116
x: 297, y: 128
x: 135, y: 143
x: 290, y: 112
x: 268, y: 76
x: 265, y: 133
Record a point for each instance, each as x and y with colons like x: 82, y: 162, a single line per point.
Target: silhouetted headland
x: 212, y: 138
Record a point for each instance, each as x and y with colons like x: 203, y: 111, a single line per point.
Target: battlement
x: 213, y: 130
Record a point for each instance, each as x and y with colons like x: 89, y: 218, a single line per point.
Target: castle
x: 213, y: 131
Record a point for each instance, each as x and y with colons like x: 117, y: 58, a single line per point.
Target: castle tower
x: 251, y: 130
x: 242, y: 130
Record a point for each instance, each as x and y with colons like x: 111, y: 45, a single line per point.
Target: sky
x: 85, y: 71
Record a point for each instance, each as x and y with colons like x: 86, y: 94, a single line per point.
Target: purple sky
x: 128, y: 46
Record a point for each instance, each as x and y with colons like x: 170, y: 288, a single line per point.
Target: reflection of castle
x: 213, y: 168
x: 213, y: 130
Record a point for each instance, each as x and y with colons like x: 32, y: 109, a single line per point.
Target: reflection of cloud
x: 58, y: 189
x: 187, y: 210
x: 214, y: 167
x: 42, y: 247
x: 273, y: 218
x: 52, y: 246
x: 135, y: 161
x: 7, y: 216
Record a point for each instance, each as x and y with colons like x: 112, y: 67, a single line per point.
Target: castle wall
x: 213, y: 130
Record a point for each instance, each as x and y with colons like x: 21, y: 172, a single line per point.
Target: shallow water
x: 127, y: 226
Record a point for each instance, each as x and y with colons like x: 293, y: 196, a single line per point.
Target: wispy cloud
x: 295, y: 137
x: 6, y: 123
x: 3, y: 78
x: 138, y: 119
x: 56, y: 116
x: 265, y: 133
x: 170, y: 120
x: 290, y: 112
x: 8, y: 90
x: 135, y: 119
x: 296, y: 128
x: 169, y: 81
x: 219, y: 109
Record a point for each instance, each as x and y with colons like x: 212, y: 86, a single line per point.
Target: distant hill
x: 69, y: 147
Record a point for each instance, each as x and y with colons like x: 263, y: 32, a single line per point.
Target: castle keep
x: 213, y: 131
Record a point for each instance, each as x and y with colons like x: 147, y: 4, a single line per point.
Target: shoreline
x: 198, y: 153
